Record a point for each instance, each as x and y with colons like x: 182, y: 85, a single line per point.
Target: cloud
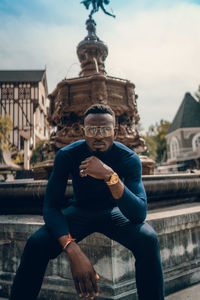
x: 152, y: 43
x: 158, y: 51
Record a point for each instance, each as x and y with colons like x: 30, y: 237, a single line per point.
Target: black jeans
x: 141, y: 239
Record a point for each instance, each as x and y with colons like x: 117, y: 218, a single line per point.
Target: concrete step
x: 191, y: 293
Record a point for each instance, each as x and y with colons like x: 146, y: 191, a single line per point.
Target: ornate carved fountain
x: 73, y: 96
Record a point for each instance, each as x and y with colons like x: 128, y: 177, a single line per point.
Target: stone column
x: 26, y: 154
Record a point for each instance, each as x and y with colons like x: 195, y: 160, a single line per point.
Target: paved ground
x: 191, y: 293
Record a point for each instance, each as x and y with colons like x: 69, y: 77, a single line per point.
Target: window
x: 42, y: 100
x: 174, y: 147
x: 196, y: 142
x: 21, y: 143
x: 7, y: 93
x: 24, y: 91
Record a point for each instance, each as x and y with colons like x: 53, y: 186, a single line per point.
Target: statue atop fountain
x: 96, y: 4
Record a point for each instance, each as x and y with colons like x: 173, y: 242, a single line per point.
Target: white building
x: 183, y: 137
x: 23, y: 96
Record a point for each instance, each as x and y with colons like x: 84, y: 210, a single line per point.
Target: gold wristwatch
x: 113, y: 179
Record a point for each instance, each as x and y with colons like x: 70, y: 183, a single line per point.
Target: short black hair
x: 99, y: 109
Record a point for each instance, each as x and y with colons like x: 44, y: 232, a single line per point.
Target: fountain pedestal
x: 73, y: 96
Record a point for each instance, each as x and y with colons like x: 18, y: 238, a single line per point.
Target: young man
x: 109, y: 198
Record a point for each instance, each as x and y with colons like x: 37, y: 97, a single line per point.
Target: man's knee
x: 37, y: 242
x: 151, y: 239
x: 148, y: 240
x: 34, y: 244
x: 44, y: 244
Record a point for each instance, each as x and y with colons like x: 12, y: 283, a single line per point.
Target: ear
x: 115, y: 132
x: 83, y: 131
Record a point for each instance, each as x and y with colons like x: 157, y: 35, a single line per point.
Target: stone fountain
x: 73, y: 96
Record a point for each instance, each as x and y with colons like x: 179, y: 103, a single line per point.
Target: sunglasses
x: 105, y: 131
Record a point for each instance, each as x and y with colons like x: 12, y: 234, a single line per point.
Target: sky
x: 153, y: 43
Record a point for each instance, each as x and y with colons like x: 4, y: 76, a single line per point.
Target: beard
x: 97, y: 151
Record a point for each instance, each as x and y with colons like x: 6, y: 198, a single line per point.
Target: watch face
x: 114, y: 179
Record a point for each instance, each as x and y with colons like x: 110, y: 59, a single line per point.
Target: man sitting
x: 109, y: 198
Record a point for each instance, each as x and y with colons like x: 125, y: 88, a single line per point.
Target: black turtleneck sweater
x: 90, y: 193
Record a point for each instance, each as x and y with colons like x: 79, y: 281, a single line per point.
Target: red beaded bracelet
x: 68, y: 241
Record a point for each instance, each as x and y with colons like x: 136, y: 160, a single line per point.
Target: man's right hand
x: 83, y: 273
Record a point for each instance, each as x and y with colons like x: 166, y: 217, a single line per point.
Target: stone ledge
x: 26, y: 196
x: 178, y: 229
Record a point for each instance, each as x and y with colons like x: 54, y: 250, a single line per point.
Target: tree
x: 151, y: 145
x: 5, y: 129
x: 156, y: 142
x: 162, y: 130
x: 37, y: 154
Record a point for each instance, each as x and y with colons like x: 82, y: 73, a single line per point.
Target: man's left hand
x: 95, y: 168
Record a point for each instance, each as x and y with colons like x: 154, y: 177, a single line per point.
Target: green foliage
x: 162, y: 130
x: 156, y: 142
x: 5, y: 129
x: 151, y: 145
x: 18, y: 158
x: 37, y: 154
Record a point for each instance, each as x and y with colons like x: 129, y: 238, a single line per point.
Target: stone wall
x: 179, y: 235
x: 177, y: 225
